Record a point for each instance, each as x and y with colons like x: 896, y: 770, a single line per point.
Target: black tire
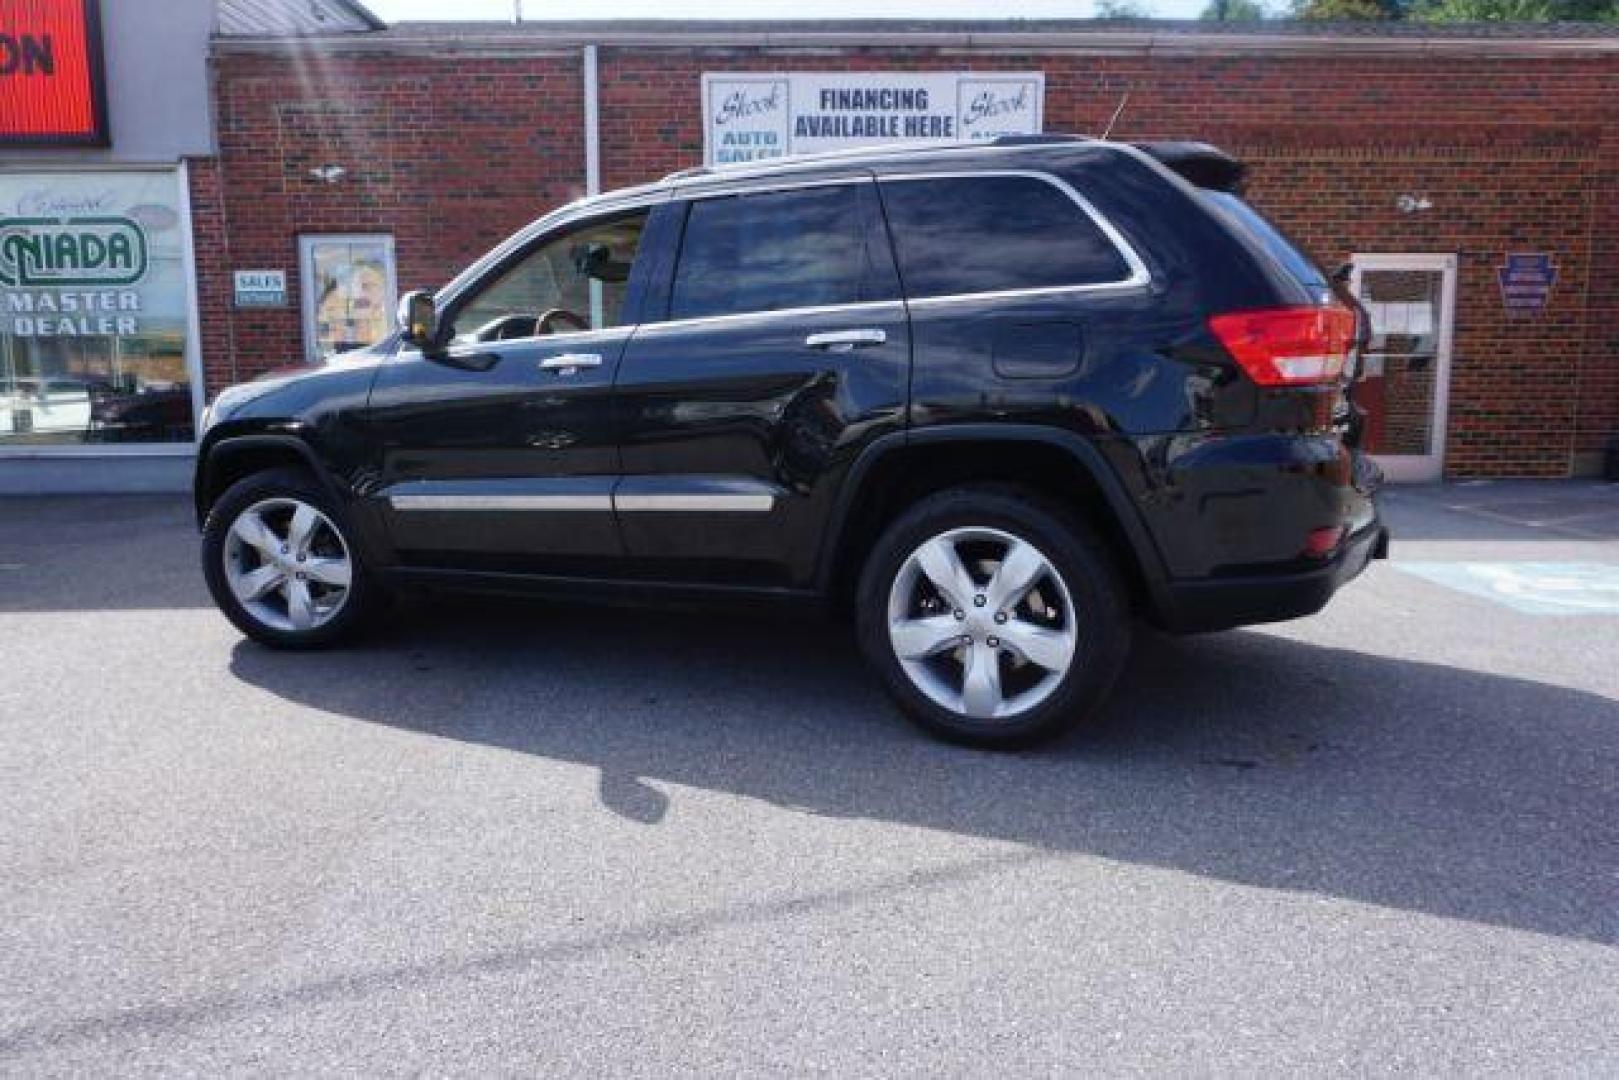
x: 1101, y: 616
x: 364, y: 595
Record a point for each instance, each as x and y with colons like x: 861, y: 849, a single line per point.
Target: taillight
x: 1323, y: 542
x: 1293, y: 346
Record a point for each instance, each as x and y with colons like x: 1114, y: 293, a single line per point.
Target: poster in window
x: 349, y: 292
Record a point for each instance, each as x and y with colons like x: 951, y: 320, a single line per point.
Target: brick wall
x: 452, y: 154
x: 448, y: 157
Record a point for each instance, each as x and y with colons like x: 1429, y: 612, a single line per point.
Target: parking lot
x: 562, y: 839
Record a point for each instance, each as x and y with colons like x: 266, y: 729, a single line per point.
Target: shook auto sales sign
x: 51, y: 80
x: 754, y: 116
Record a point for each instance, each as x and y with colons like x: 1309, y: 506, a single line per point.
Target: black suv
x: 998, y: 399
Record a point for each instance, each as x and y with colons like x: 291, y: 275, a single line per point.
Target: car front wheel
x: 993, y: 616
x: 281, y: 565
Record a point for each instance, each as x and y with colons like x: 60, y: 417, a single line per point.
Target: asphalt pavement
x: 542, y: 839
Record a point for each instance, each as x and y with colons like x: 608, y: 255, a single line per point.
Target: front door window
x: 574, y: 282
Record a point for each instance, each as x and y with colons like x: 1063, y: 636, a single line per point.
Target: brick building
x: 1471, y: 174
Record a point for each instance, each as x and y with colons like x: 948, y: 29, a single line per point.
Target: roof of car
x: 709, y: 176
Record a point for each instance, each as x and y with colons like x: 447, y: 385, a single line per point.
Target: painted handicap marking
x: 1537, y: 588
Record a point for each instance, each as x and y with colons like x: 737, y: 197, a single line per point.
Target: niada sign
x: 56, y: 252
x: 754, y: 116
x: 94, y: 256
x: 96, y: 318
x: 71, y: 276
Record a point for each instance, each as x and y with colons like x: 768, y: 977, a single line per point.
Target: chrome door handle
x: 571, y: 361
x: 844, y: 340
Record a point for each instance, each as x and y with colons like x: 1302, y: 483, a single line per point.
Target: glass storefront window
x: 94, y: 309
x: 348, y: 290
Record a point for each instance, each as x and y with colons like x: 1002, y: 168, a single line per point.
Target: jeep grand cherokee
x: 999, y: 399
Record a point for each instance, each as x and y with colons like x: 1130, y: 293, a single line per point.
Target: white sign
x: 261, y: 288
x: 754, y: 116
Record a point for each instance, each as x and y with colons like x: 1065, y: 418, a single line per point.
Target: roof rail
x: 1055, y: 137
x: 876, y: 149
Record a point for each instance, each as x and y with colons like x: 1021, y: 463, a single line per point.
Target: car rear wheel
x: 281, y: 565
x: 993, y: 616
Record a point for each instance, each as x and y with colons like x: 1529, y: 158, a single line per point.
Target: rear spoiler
x: 1198, y: 162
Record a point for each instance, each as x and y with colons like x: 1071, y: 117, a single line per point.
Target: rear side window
x: 1245, y: 219
x: 770, y: 251
x: 990, y: 233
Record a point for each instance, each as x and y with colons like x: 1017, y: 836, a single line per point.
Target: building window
x: 349, y: 291
x: 95, y: 309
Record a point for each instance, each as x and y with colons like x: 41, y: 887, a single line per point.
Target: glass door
x: 1404, y: 378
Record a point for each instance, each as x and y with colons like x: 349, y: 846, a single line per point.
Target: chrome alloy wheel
x: 982, y: 623
x: 288, y: 565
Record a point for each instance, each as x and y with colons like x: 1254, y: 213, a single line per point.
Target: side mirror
x: 418, y: 318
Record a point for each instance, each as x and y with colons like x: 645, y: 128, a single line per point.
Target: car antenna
x: 1123, y: 101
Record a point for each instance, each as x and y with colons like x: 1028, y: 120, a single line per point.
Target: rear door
x: 783, y: 349
x: 1018, y: 291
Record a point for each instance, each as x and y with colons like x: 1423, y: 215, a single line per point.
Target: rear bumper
x: 1221, y: 603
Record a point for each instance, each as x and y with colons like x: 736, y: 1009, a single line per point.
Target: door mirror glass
x: 418, y: 319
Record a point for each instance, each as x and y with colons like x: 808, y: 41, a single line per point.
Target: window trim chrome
x: 759, y: 184
x: 1139, y: 276
x: 749, y: 187
x: 771, y: 313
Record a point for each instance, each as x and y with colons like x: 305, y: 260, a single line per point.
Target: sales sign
x: 51, y: 79
x: 757, y: 116
x: 260, y: 288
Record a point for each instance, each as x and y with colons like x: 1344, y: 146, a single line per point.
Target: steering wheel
x: 544, y: 325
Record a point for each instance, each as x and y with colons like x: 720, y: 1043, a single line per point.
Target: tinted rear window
x: 1247, y: 220
x: 990, y: 233
x: 775, y: 250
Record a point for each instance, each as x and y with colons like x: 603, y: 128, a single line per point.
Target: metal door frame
x: 1429, y: 467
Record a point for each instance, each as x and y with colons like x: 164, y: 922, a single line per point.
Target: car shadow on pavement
x: 1246, y: 757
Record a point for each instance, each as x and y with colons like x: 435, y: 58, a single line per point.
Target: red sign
x: 51, y: 88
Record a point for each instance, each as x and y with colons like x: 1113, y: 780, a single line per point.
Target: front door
x: 782, y: 349
x: 501, y: 455
x: 1404, y: 378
